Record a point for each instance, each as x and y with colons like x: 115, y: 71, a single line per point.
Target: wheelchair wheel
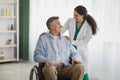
x: 34, y: 75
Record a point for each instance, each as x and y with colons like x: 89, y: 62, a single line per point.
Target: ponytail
x: 92, y: 23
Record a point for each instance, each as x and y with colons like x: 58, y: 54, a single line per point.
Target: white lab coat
x: 84, y: 36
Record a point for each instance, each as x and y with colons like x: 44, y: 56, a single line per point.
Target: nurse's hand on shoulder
x: 68, y: 38
x: 43, y: 33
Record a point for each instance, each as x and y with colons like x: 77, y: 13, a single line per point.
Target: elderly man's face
x: 56, y: 26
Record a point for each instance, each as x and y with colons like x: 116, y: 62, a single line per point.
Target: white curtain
x: 103, y: 49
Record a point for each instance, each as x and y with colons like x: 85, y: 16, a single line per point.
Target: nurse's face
x: 78, y: 17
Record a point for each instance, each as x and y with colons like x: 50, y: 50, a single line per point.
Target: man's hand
x: 48, y: 63
x: 74, y: 60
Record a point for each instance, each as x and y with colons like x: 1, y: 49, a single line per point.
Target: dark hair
x: 83, y: 11
x: 50, y: 20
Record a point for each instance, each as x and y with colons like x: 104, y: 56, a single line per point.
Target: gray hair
x: 50, y: 20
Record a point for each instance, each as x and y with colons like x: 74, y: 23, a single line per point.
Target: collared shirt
x: 45, y: 49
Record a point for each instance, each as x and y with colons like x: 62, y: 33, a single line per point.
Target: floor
x: 15, y: 71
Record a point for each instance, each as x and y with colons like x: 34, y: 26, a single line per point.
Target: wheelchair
x: 36, y: 73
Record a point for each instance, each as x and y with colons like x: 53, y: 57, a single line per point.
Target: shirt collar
x: 53, y: 36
